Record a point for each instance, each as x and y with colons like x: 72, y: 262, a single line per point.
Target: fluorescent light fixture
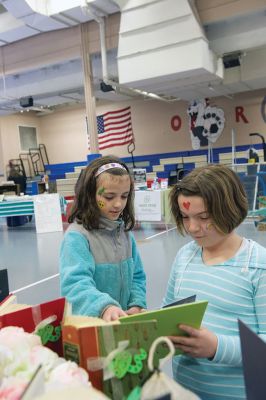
x: 51, y: 7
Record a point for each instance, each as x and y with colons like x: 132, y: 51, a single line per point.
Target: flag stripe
x: 116, y: 144
x: 109, y: 138
x: 117, y: 123
x: 115, y: 128
x: 116, y: 117
x: 116, y: 112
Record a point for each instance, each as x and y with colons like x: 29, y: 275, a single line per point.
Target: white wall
x: 9, y: 134
x: 64, y: 132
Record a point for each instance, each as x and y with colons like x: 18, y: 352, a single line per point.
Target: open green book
x: 169, y: 318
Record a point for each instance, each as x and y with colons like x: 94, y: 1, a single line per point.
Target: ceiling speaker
x: 26, y: 102
x: 232, y: 60
x: 106, y: 88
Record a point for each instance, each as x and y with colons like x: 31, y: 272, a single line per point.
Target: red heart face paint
x: 186, y: 204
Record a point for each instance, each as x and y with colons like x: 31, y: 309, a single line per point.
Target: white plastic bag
x: 159, y: 384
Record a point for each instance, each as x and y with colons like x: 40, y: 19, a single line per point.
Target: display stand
x: 152, y: 206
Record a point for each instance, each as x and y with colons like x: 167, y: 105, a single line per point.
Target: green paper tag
x: 138, y: 358
x: 124, y: 362
x: 49, y: 333
x: 121, y: 363
x: 134, y: 394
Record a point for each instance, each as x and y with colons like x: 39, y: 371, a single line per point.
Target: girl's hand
x: 134, y: 310
x: 112, y: 313
x: 201, y: 343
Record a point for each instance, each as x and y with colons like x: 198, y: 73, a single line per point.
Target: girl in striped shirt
x: 219, y: 266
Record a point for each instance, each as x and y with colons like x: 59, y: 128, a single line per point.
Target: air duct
x: 108, y: 82
x: 162, y: 41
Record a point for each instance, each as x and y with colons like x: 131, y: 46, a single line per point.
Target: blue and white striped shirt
x: 234, y: 289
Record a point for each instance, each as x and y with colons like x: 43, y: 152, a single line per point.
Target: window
x: 28, y: 138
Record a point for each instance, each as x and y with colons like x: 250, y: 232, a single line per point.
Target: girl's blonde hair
x: 222, y: 192
x: 85, y: 210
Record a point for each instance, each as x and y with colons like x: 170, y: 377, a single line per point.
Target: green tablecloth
x: 20, y: 206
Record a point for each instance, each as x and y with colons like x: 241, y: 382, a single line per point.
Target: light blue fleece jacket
x: 234, y: 289
x: 101, y: 267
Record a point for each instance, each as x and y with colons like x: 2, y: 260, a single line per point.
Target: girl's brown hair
x: 222, y: 192
x: 85, y: 210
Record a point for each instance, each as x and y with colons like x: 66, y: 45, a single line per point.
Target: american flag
x: 115, y: 128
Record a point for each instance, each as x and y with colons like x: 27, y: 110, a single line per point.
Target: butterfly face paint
x: 101, y: 191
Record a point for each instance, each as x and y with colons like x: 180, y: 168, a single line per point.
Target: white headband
x: 105, y: 167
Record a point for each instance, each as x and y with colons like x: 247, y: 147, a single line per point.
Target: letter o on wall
x: 176, y: 123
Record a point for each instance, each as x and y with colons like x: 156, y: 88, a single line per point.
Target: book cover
x: 87, y: 344
x: 189, y: 299
x: 30, y: 316
x: 9, y: 305
x: 169, y: 318
x: 131, y: 364
x: 253, y: 350
x: 80, y: 342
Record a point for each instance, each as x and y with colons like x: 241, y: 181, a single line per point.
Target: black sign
x: 4, y: 288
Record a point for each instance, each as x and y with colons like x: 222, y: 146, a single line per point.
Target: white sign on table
x: 47, y: 213
x: 148, y: 205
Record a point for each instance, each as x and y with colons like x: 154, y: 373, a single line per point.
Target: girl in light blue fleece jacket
x: 219, y: 266
x: 101, y: 273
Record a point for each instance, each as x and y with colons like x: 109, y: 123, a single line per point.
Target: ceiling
x: 234, y: 46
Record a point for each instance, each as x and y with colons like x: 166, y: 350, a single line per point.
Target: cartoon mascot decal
x: 206, y: 123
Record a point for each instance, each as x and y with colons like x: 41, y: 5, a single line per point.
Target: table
x: 15, y: 208
x: 9, y: 187
x: 45, y: 207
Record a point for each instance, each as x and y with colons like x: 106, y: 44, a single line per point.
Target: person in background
x: 101, y: 272
x: 219, y: 266
x: 16, y: 175
x: 13, y: 170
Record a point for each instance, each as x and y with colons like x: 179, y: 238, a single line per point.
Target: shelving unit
x: 35, y: 187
